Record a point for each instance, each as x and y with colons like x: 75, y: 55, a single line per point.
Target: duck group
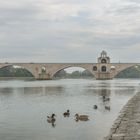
x: 51, y: 119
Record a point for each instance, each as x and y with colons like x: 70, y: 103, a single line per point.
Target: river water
x: 25, y: 105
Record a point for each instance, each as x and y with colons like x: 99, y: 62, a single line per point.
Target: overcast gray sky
x: 69, y: 30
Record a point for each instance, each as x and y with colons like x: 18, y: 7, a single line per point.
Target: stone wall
x: 127, y: 125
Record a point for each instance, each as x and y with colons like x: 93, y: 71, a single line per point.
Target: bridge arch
x: 20, y: 66
x: 65, y: 67
x: 125, y: 67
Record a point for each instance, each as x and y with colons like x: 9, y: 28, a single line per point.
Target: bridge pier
x: 103, y: 76
x: 44, y: 76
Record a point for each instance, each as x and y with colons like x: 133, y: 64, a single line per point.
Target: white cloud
x: 61, y: 30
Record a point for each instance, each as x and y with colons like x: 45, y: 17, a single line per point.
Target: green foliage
x: 133, y: 72
x: 10, y: 71
x: 75, y: 74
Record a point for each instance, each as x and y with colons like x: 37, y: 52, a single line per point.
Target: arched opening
x: 94, y: 68
x: 103, y: 61
x: 13, y: 71
x: 73, y: 73
x: 131, y: 72
x: 103, y: 68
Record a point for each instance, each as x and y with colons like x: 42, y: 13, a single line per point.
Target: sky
x: 57, y: 31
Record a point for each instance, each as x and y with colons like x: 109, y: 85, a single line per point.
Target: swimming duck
x: 107, y: 107
x: 106, y: 99
x: 95, y: 106
x: 51, y: 118
x: 67, y: 113
x: 81, y: 117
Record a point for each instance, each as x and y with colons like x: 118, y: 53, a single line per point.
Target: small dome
x: 103, y: 58
x: 103, y: 52
x: 112, y: 67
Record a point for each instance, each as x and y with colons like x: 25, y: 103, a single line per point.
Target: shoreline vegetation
x: 18, y: 72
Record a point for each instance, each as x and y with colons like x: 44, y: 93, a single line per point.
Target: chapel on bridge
x: 103, y: 58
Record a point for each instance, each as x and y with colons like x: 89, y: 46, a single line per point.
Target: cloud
x: 68, y: 31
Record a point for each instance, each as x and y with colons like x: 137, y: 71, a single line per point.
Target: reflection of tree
x: 6, y: 91
x: 42, y: 90
x: 33, y: 90
x: 53, y: 90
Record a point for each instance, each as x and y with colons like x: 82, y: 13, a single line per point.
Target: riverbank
x: 127, y: 125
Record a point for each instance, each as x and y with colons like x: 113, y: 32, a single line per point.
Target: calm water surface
x: 24, y: 106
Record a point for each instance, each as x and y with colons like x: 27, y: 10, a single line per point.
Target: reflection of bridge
x: 101, y: 70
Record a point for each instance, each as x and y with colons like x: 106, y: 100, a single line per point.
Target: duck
x: 67, y: 113
x: 107, y: 107
x: 95, y: 106
x: 51, y: 118
x: 106, y: 99
x: 81, y: 117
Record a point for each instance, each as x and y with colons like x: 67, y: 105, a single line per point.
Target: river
x: 25, y: 105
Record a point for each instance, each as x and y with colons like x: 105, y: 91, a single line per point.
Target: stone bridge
x: 101, y: 70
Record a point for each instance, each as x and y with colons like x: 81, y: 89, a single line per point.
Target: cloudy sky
x: 69, y: 30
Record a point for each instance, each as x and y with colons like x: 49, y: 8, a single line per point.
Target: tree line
x: 74, y: 74
x: 133, y: 72
x: 12, y: 71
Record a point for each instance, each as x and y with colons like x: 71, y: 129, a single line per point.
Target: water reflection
x: 104, y: 93
x: 6, y: 91
x: 33, y: 90
x: 28, y: 91
x: 24, y: 115
x: 54, y: 90
x: 53, y: 125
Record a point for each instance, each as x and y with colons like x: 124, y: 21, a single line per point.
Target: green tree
x: 133, y: 72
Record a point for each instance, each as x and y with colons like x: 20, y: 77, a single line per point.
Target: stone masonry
x: 127, y: 125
